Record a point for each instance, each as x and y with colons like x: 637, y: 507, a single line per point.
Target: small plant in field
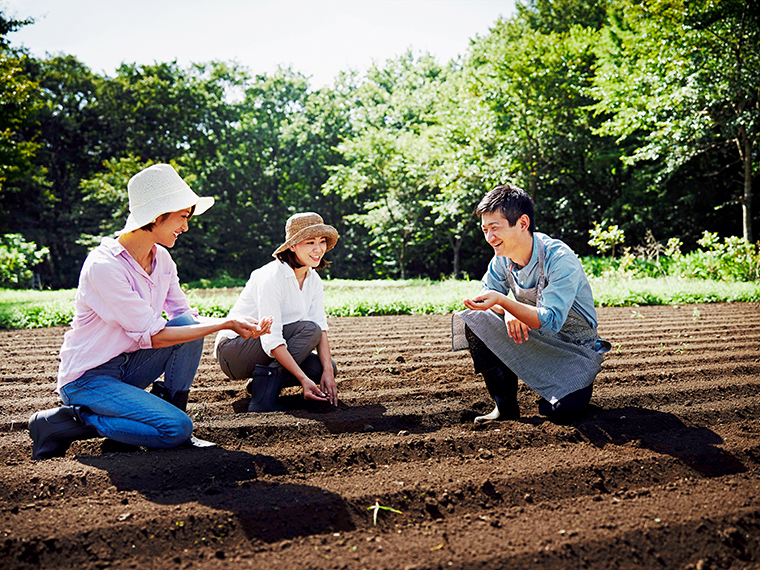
x: 378, y: 507
x: 673, y: 248
x: 695, y: 315
x: 605, y: 239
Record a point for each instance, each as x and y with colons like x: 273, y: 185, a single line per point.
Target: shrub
x: 733, y: 259
x: 17, y: 258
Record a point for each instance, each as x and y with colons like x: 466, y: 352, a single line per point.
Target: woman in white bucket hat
x: 290, y: 290
x: 119, y: 342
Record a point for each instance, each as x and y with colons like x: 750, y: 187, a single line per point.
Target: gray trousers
x: 239, y: 356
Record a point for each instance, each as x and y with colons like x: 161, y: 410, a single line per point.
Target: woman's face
x: 310, y: 252
x: 167, y: 230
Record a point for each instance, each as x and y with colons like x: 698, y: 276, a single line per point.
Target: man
x: 545, y: 333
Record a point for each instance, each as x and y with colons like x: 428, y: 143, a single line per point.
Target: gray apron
x: 552, y: 364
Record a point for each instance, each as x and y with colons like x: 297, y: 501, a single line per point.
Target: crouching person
x: 119, y: 343
x: 545, y: 333
x: 290, y: 290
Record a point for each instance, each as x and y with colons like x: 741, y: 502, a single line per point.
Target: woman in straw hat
x: 289, y: 289
x: 119, y: 343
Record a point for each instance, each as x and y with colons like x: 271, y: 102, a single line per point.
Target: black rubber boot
x: 502, y: 385
x: 569, y: 407
x: 264, y: 388
x: 180, y: 401
x: 54, y: 430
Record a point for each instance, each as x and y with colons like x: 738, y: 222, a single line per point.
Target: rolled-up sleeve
x: 270, y: 303
x: 176, y: 302
x: 564, y: 275
x: 317, y: 306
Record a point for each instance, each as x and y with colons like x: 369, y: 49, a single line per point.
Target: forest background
x: 642, y: 117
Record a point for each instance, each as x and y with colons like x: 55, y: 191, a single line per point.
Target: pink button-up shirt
x: 118, y: 307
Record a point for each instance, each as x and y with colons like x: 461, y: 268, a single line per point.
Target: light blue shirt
x: 566, y: 283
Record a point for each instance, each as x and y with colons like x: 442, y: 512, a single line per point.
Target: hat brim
x: 202, y: 204
x: 317, y: 230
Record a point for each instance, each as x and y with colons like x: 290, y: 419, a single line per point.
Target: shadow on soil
x: 228, y: 481
x: 344, y: 418
x: 661, y: 432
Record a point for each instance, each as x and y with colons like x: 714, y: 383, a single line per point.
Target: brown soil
x: 662, y: 472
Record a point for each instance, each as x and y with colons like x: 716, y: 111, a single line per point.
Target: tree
x: 390, y: 163
x: 18, y: 102
x: 536, y: 82
x: 682, y: 80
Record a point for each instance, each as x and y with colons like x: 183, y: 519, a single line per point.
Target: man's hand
x: 484, y: 301
x: 517, y: 330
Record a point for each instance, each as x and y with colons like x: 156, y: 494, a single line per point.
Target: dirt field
x: 662, y: 472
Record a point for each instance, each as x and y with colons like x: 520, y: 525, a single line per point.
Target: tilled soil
x: 662, y: 472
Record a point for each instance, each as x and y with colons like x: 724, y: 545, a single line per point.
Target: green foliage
x: 35, y: 309
x: 17, y: 259
x: 678, y: 80
x: 617, y: 292
x: 349, y: 298
x: 623, y: 110
x: 606, y: 239
x: 732, y: 259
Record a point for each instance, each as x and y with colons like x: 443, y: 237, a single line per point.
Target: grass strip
x: 347, y: 298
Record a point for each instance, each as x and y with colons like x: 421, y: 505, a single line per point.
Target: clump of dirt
x: 661, y: 472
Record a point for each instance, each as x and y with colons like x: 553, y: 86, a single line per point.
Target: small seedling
x: 695, y: 315
x: 377, y: 507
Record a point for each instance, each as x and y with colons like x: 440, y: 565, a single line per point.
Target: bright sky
x: 318, y: 38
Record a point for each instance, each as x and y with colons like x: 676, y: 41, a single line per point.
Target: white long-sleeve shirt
x: 272, y: 290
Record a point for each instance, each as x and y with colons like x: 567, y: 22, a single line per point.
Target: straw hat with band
x: 159, y: 190
x: 304, y: 226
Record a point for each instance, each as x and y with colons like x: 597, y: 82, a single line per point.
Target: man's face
x: 502, y: 237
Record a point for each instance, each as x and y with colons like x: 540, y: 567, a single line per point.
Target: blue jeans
x: 119, y: 407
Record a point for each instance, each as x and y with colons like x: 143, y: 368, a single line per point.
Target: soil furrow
x: 663, y: 471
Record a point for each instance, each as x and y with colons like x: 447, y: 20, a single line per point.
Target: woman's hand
x: 247, y: 327
x: 313, y: 392
x: 329, y: 386
x: 264, y: 327
x: 517, y: 330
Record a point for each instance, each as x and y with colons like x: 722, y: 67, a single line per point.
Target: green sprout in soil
x: 377, y: 507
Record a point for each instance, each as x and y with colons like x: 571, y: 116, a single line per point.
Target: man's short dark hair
x: 511, y: 201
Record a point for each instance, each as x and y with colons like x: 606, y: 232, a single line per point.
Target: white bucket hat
x: 304, y: 226
x: 158, y: 190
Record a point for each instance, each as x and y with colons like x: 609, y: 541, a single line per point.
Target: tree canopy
x: 640, y: 115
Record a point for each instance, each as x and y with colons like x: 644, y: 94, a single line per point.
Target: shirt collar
x: 114, y: 246
x: 289, y: 272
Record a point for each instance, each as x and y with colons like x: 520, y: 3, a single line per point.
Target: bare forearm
x: 323, y: 350
x: 525, y: 313
x: 246, y: 328
x: 282, y: 356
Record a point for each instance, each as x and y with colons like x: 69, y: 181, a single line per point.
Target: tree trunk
x: 456, y: 246
x: 746, y: 199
